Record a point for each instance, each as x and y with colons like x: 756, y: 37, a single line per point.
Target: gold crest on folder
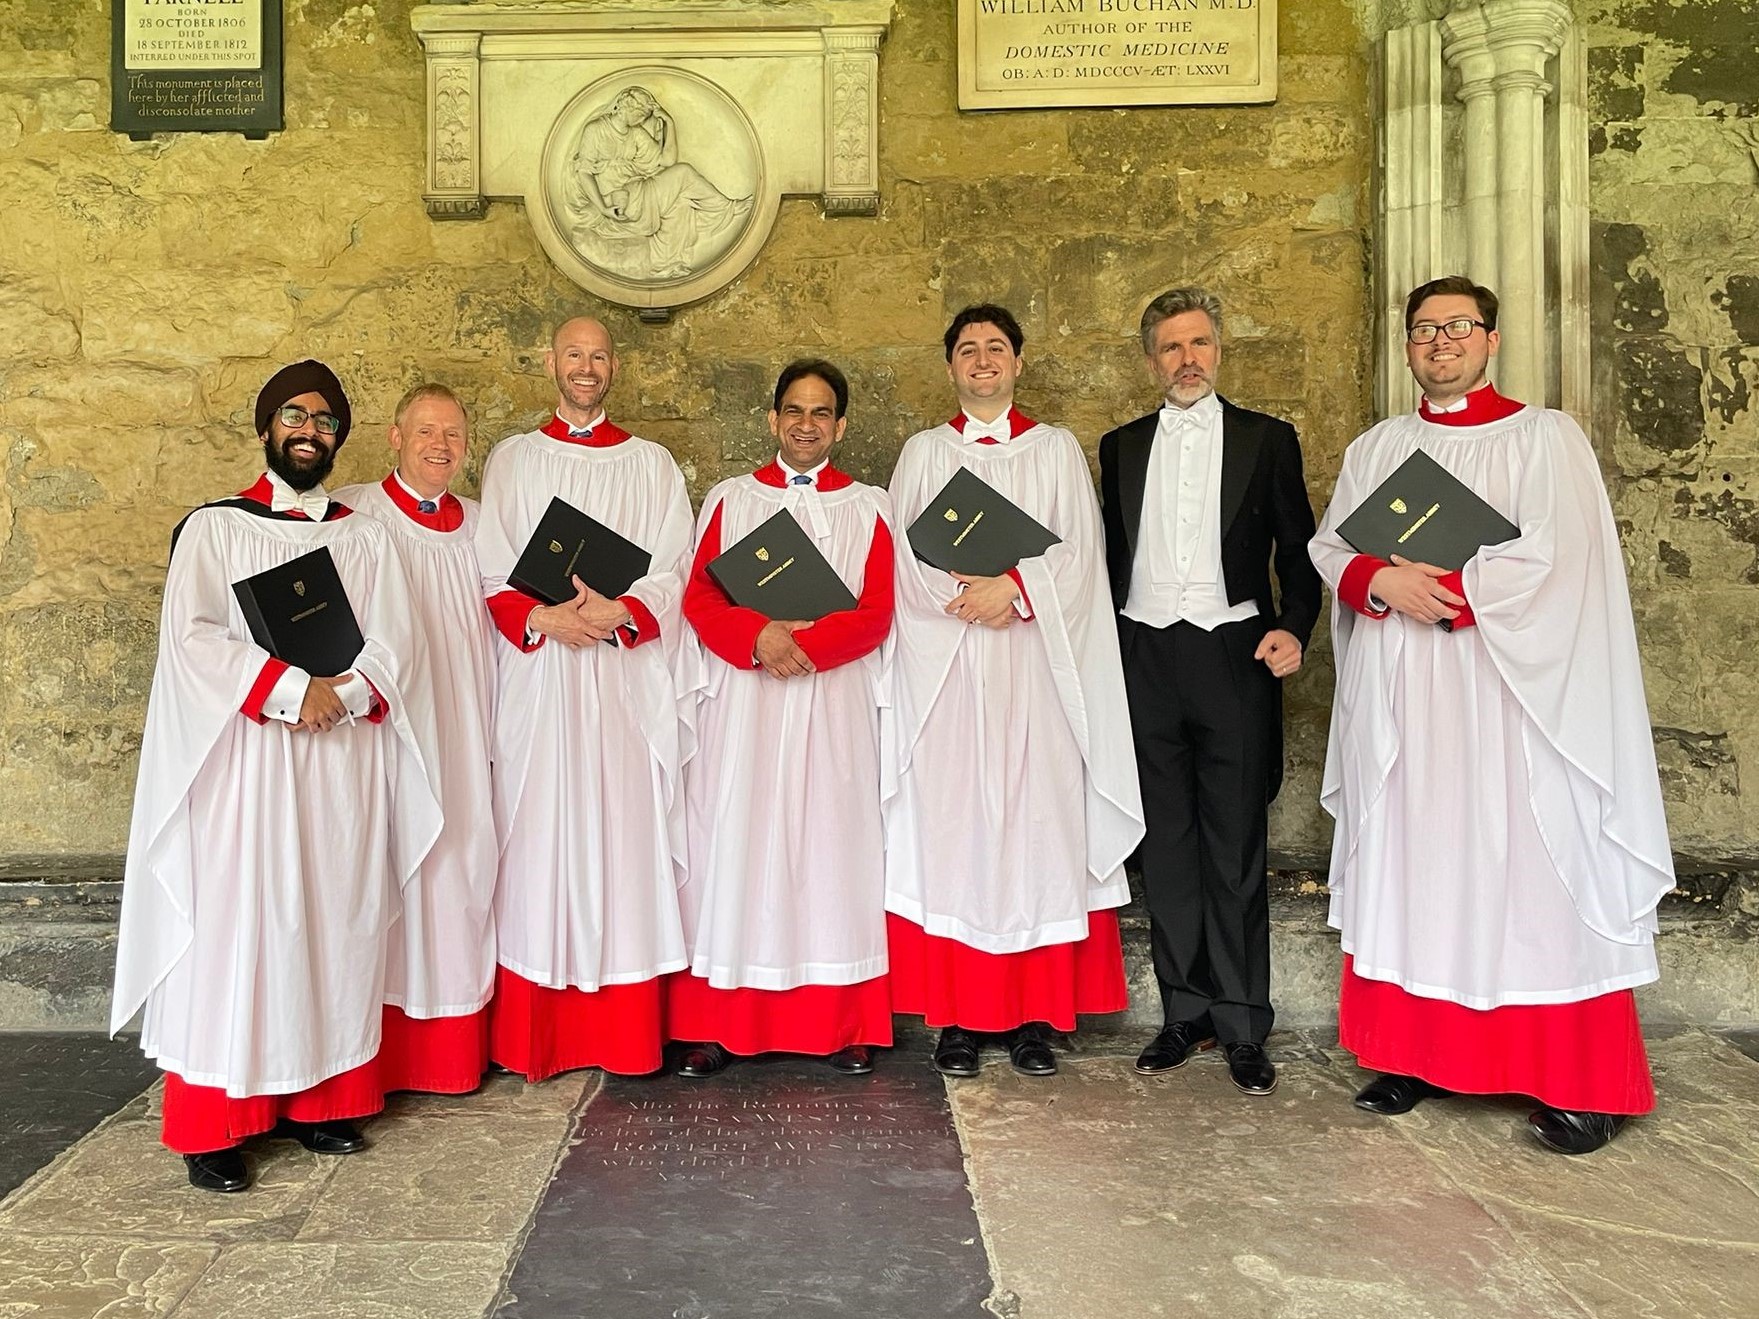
x: 763, y: 555
x: 952, y: 515
x: 299, y: 588
x: 555, y: 547
x: 1397, y: 506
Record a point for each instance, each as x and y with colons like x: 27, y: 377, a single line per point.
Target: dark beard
x: 298, y: 477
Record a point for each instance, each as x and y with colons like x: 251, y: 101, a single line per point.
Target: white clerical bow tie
x: 997, y: 431
x: 313, y: 503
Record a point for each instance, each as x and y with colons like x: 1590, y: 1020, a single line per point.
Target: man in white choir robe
x: 1500, y: 846
x: 1011, y: 801
x: 784, y: 899
x: 276, y: 814
x: 594, y: 718
x: 440, y: 965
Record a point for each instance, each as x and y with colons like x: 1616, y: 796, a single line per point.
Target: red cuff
x: 647, y: 627
x: 375, y: 713
x: 1466, y: 617
x: 1353, y: 585
x: 260, y: 689
x: 510, y: 609
x: 1014, y: 574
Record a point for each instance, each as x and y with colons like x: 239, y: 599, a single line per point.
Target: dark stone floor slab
x: 56, y: 1087
x: 771, y: 1189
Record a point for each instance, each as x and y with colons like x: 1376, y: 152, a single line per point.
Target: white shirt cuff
x: 356, y: 696
x: 286, y: 696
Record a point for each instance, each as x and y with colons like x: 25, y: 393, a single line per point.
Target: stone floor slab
x: 283, y: 1280
x: 559, y: 1096
x: 1106, y: 1194
x: 80, y: 1277
x: 771, y: 1189
x: 54, y: 1088
x: 467, y: 1177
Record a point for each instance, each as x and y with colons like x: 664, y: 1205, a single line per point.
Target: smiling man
x: 1200, y: 498
x: 440, y: 967
x: 1012, y: 792
x: 273, y: 821
x: 1500, y: 846
x: 784, y: 908
x: 590, y: 738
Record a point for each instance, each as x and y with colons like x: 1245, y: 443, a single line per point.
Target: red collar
x: 1483, y: 405
x: 829, y: 478
x: 601, y: 436
x: 263, y: 493
x: 450, y: 516
x: 1018, y: 424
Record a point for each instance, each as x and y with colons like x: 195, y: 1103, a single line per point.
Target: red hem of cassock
x: 1586, y: 1055
x: 539, y: 1032
x: 949, y: 984
x: 814, y: 1019
x: 437, y: 1055
x: 199, y: 1119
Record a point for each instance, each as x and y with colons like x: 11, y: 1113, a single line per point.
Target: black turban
x: 304, y: 377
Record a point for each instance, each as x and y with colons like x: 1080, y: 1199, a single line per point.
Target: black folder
x: 778, y: 571
x: 300, y: 614
x: 970, y: 527
x: 567, y: 544
x: 1422, y: 512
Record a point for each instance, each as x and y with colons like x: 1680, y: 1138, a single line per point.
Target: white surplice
x: 1011, y: 795
x: 786, y: 881
x: 441, y: 958
x: 264, y: 863
x: 1499, y: 836
x: 590, y: 742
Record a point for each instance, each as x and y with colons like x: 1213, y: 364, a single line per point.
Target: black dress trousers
x: 1206, y: 717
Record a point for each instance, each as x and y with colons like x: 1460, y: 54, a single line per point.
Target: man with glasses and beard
x: 264, y: 853
x: 1500, y: 846
x: 590, y: 738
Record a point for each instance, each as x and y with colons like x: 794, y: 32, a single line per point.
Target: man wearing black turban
x: 264, y: 853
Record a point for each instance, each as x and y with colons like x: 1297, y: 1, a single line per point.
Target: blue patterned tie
x: 802, y: 479
x: 428, y: 506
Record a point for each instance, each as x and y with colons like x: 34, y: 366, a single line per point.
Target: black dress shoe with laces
x: 856, y: 1060
x: 1390, y: 1094
x: 1029, y: 1051
x: 222, y: 1170
x: 701, y: 1060
x: 1250, y: 1069
x: 338, y: 1137
x: 1168, y: 1050
x: 1574, y: 1131
x: 955, y: 1053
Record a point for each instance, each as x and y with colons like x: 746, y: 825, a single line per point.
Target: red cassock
x: 784, y: 900
x: 1585, y: 1053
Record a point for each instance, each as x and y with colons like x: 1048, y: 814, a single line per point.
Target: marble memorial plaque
x: 771, y: 1189
x: 195, y: 66
x: 1019, y: 53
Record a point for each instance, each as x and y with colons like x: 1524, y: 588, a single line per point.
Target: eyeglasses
x: 293, y: 418
x: 1424, y: 332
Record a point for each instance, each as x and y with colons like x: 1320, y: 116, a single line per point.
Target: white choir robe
x: 589, y: 747
x: 264, y: 863
x: 440, y: 965
x: 784, y: 899
x: 1011, y: 795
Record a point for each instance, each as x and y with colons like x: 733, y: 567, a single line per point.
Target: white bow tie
x: 1182, y: 416
x: 997, y: 430
x: 314, y: 503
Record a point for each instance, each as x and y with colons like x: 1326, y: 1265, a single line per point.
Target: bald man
x: 591, y: 730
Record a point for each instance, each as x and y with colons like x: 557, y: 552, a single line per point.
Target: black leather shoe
x: 1249, y: 1068
x: 1029, y: 1051
x: 856, y: 1060
x: 322, y: 1137
x: 222, y: 1170
x: 701, y: 1060
x: 1168, y: 1051
x: 955, y: 1053
x: 1573, y: 1131
x: 1390, y: 1094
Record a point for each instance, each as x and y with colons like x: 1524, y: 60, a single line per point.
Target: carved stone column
x: 1467, y: 50
x: 454, y: 188
x: 1410, y: 191
x: 852, y: 122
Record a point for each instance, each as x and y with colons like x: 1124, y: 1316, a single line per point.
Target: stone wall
x: 1674, y: 190
x: 149, y: 288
